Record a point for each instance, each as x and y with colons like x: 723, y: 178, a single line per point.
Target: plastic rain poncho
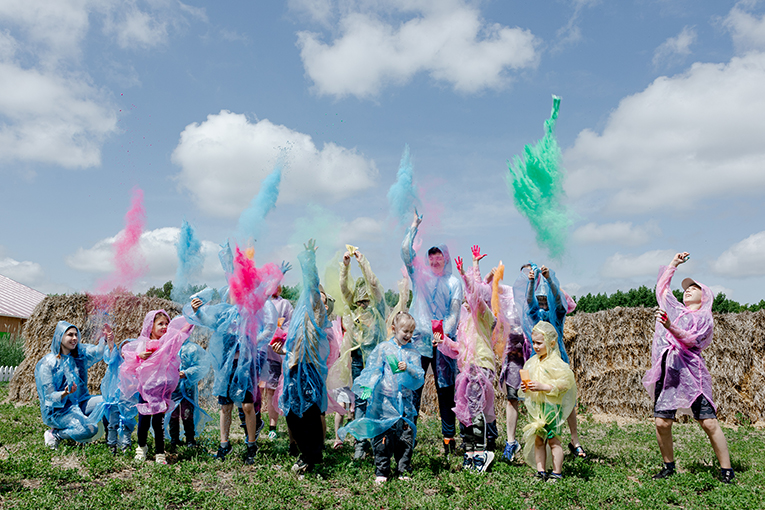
x: 334, y: 339
x: 474, y: 388
x: 558, y: 304
x: 195, y: 365
x: 435, y: 297
x: 392, y: 393
x: 508, y: 332
x: 113, y: 399
x: 548, y: 411
x: 156, y: 377
x: 54, y: 373
x: 686, y: 376
x: 230, y: 341
x: 304, y: 369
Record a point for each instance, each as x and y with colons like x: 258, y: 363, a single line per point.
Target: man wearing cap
x: 678, y: 378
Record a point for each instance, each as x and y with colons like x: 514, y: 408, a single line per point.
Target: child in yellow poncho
x: 550, y: 395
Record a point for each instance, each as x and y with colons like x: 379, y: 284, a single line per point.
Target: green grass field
x: 617, y: 475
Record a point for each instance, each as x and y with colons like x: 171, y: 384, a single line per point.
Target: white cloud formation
x: 157, y: 246
x: 447, y: 39
x: 29, y: 273
x: 674, y: 49
x: 747, y: 30
x: 224, y: 159
x: 571, y: 33
x: 620, y: 232
x: 681, y: 140
x: 632, y: 266
x: 745, y: 258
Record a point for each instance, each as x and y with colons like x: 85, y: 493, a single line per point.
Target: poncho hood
x: 58, y: 334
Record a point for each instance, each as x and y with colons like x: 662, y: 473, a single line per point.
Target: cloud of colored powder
x: 536, y: 183
x: 190, y: 263
x: 251, y: 220
x: 402, y: 195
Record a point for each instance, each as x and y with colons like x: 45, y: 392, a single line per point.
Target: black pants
x: 308, y: 434
x: 445, y: 400
x: 397, y: 441
x: 157, y: 423
x: 184, y: 412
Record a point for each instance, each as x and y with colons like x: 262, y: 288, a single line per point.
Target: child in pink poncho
x: 151, y: 370
x: 678, y: 378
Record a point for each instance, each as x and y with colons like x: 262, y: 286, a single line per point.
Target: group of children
x: 358, y: 355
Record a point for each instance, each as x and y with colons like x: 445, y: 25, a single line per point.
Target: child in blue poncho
x: 62, y: 387
x: 392, y: 374
x: 195, y: 365
x: 120, y: 412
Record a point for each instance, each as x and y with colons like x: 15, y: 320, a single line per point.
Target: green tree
x: 163, y: 292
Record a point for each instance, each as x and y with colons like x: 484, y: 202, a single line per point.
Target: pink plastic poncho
x: 474, y: 386
x: 686, y: 374
x: 155, y: 378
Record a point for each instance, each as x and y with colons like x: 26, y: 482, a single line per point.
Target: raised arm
x: 373, y: 283
x: 407, y: 246
x: 345, y: 285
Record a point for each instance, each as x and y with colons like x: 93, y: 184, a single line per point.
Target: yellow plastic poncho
x: 548, y: 411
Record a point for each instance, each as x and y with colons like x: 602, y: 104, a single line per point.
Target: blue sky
x: 662, y: 125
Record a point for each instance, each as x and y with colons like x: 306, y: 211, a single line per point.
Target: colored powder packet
x: 393, y: 362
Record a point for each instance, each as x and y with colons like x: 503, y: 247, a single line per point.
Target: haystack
x: 125, y: 314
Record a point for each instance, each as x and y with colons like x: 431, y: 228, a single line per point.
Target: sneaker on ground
x: 664, y: 473
x: 223, y: 451
x: 380, y: 480
x: 541, y: 475
x: 300, y: 467
x: 160, y: 458
x: 727, y: 476
x: 249, y: 457
x: 482, y: 461
x: 467, y: 461
x: 510, y: 450
x: 271, y: 435
x: 51, y: 441
x: 404, y: 477
x: 554, y: 477
x: 140, y: 453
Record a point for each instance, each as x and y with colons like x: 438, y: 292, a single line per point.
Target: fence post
x: 6, y: 373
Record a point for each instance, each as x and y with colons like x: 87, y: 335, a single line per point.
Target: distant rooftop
x: 17, y: 300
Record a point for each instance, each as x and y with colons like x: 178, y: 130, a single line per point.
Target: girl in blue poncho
x: 392, y: 375
x: 304, y: 391
x: 195, y: 364
x: 62, y: 387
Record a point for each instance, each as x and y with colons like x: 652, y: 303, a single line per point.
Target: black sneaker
x: 664, y: 473
x: 467, y: 462
x: 727, y: 475
x: 223, y: 451
x: 541, y: 476
x: 249, y: 457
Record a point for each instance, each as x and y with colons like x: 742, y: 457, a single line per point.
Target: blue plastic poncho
x: 113, y: 399
x: 435, y: 297
x: 558, y: 305
x: 305, y: 366
x: 392, y: 393
x: 54, y: 374
x: 195, y: 365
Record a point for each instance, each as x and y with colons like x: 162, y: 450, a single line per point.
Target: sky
x: 661, y: 128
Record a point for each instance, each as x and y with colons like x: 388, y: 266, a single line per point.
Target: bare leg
x: 273, y: 415
x: 664, y: 437
x: 716, y: 436
x: 338, y: 424
x: 557, y: 454
x: 512, y: 419
x: 251, y: 421
x: 572, y: 427
x: 225, y: 421
x: 540, y: 453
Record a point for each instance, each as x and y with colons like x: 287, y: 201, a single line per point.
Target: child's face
x: 404, y: 332
x: 538, y: 341
x: 692, y: 296
x: 69, y: 341
x: 160, y: 326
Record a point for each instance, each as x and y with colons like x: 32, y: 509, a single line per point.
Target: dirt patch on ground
x: 69, y: 462
x: 611, y: 418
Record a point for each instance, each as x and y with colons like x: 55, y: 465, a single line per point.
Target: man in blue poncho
x: 304, y: 390
x: 392, y: 375
x: 540, y: 297
x: 436, y: 302
x: 62, y: 387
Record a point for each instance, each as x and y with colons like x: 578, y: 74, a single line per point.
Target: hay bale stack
x: 126, y: 314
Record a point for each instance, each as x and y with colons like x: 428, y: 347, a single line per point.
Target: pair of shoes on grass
x: 477, y: 462
x: 548, y: 477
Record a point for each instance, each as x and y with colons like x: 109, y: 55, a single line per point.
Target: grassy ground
x: 618, y: 474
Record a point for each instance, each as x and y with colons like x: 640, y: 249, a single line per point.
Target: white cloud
x: 447, y: 39
x: 631, y: 266
x: 29, y: 273
x: 747, y: 30
x: 674, y: 49
x: 157, y: 246
x: 134, y: 28
x: 620, y: 232
x: 224, y: 159
x: 362, y: 228
x: 745, y: 258
x: 681, y: 140
x: 571, y: 33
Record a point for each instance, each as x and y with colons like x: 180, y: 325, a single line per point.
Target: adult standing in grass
x: 678, y: 378
x: 436, y: 302
x: 62, y: 387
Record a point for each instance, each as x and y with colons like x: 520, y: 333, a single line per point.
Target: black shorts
x: 701, y: 408
x: 512, y: 393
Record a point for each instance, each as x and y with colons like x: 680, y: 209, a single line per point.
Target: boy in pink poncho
x: 678, y: 378
x: 152, y: 370
x: 474, y: 388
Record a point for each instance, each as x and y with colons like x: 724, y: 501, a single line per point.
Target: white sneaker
x: 140, y: 453
x: 51, y: 441
x: 481, y: 461
x: 160, y: 458
x: 380, y: 480
x: 271, y: 435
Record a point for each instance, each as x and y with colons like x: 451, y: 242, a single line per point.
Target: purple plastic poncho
x: 392, y: 393
x: 434, y: 297
x: 686, y: 376
x: 156, y: 377
x: 508, y: 329
x: 474, y: 388
x: 304, y: 369
x: 54, y: 373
